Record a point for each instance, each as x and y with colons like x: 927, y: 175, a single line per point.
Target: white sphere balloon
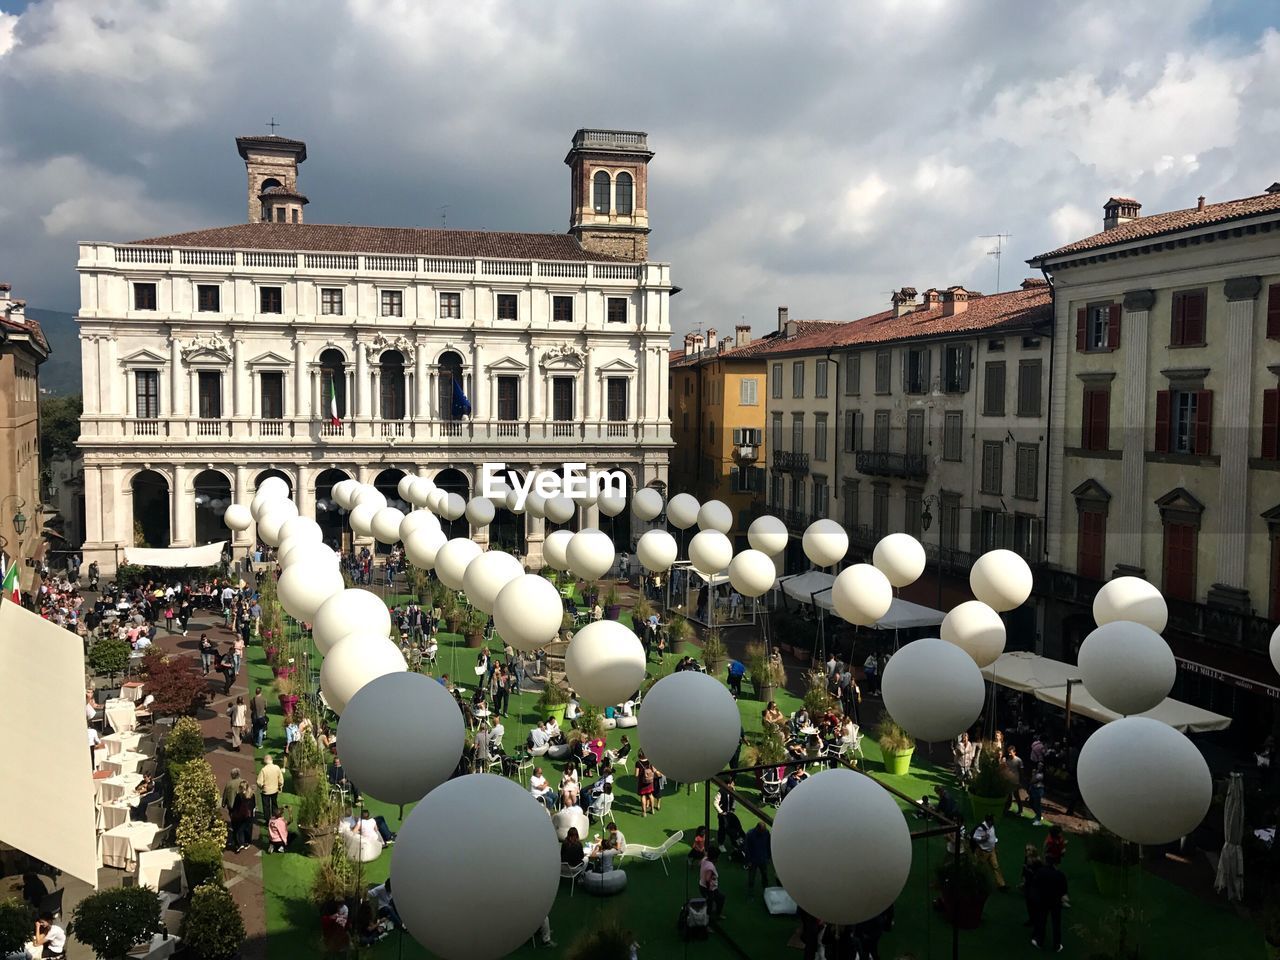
x: 386, y: 525
x: 861, y: 594
x: 684, y: 702
x: 1131, y: 598
x: 611, y: 504
x: 900, y: 557
x: 933, y: 689
x: 872, y: 830
x: 514, y: 503
x: 355, y: 660
x: 298, y: 551
x: 646, y: 504
x: 436, y: 501
x: 419, y: 490
x: 453, y: 506
x: 452, y: 560
x: 559, y: 509
x: 301, y: 529
x: 402, y: 736
x: 682, y: 511
x: 480, y: 512
x: 528, y: 612
x: 405, y: 486
x: 304, y: 586
x: 349, y: 611
x: 588, y: 497
x: 273, y: 487
x: 501, y: 491
x: 657, y: 550
x: 418, y: 520
x: 825, y: 543
x: 590, y: 553
x: 238, y: 517
x: 752, y: 573
x: 486, y: 575
x: 768, y: 535
x: 422, y: 546
x: 555, y: 547
x: 442, y: 863
x: 977, y: 630
x: 344, y: 491
x: 1144, y: 780
x: 273, y: 518
x: 371, y: 496
x: 1001, y: 579
x: 262, y: 501
x: 361, y: 518
x: 710, y: 551
x: 1127, y: 667
x: 535, y: 505
x: 605, y: 663
x: 1275, y: 649
x: 715, y: 515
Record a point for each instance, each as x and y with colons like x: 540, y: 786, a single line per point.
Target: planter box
x: 305, y: 782
x: 319, y: 842
x: 613, y: 611
x: 765, y: 692
x: 288, y: 702
x: 475, y: 640
x: 982, y: 806
x: 898, y: 764
x: 556, y: 711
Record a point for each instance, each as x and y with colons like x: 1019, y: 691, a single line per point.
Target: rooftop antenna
x: 999, y: 238
x: 444, y: 217
x: 272, y: 125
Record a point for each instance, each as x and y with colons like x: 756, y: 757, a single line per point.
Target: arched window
x: 600, y: 195
x: 212, y: 494
x: 623, y: 191
x: 450, y: 372
x: 391, y: 377
x: 333, y: 381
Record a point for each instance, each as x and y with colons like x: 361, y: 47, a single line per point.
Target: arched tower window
x: 623, y: 191
x: 450, y: 372
x: 600, y: 193
x: 333, y: 381
x: 391, y: 370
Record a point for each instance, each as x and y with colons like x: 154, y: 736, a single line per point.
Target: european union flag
x: 461, y: 405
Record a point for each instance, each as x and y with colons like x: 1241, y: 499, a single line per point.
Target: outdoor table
x: 121, y: 845
x: 116, y: 812
x: 809, y: 731
x: 118, y: 787
x: 131, y: 690
x: 480, y: 713
x: 121, y: 714
x: 162, y: 945
x: 126, y: 761
x: 119, y: 742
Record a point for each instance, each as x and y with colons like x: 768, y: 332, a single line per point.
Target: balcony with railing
x: 791, y: 462
x: 797, y: 521
x: 210, y: 428
x: 271, y: 428
x: 144, y: 427
x: 881, y: 463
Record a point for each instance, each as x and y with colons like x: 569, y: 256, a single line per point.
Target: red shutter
x: 1086, y: 421
x: 1273, y: 311
x: 1204, y: 422
x: 1178, y: 331
x: 1102, y: 419
x: 1089, y: 550
x: 1082, y: 326
x: 1194, y: 320
x: 1270, y: 424
x: 1113, y: 326
x: 1164, y: 400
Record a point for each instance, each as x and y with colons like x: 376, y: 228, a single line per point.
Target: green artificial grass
x: 1171, y: 919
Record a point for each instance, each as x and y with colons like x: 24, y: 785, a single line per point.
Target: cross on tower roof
x: 272, y: 126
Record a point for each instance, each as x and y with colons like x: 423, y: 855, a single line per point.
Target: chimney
x: 1200, y: 202
x: 783, y: 314
x: 711, y: 338
x: 903, y: 301
x: 741, y: 335
x: 688, y: 344
x: 1119, y: 210
x: 1032, y: 282
x: 954, y: 300
x: 697, y: 343
x: 931, y: 298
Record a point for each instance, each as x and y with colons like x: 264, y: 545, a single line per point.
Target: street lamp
x: 19, y: 518
x: 926, y: 520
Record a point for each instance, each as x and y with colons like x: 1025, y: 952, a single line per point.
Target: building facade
x: 22, y: 349
x: 316, y: 352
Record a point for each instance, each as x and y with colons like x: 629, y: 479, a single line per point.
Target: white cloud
x: 8, y: 26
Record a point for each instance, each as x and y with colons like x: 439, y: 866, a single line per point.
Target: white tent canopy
x: 1026, y: 672
x: 902, y: 615
x: 209, y: 555
x: 1184, y: 717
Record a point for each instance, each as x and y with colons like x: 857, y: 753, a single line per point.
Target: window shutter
x: 1114, y: 313
x: 975, y: 532
x: 1082, y: 328
x: 964, y: 368
x: 1204, y: 422
x: 928, y: 370
x: 1194, y: 321
x: 733, y: 478
x: 1164, y: 401
x: 1178, y: 332
x: 1270, y: 424
x: 1273, y: 311
x: 1102, y: 419
x: 905, y: 384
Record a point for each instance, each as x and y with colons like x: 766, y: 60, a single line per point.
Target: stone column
x: 361, y: 385
x: 130, y: 395
x: 243, y: 494
x: 93, y: 504
x: 299, y: 381
x: 421, y: 409
x: 174, y: 407
x: 182, y: 504
x: 89, y: 361
x: 587, y: 406
x: 1131, y: 508
x: 237, y: 379
x: 305, y: 492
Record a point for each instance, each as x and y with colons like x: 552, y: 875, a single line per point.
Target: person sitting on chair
x: 538, y: 739
x: 338, y: 777
x: 602, y: 857
x: 148, y: 793
x: 541, y: 790
x: 50, y: 937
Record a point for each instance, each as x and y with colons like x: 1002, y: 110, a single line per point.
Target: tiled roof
x: 280, y: 190
x: 756, y: 348
x: 29, y: 326
x: 408, y: 241
x: 1162, y: 223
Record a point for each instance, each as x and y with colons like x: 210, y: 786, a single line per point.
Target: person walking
x: 984, y: 835
x: 964, y: 751
x: 645, y: 779
x: 238, y: 713
x: 270, y: 782
x: 258, y: 712
x: 1035, y: 794
x: 758, y: 851
x: 168, y: 618
x: 1031, y: 862
x: 208, y: 653
x: 227, y: 667
x: 1013, y: 763
x: 709, y: 884
x: 1048, y: 890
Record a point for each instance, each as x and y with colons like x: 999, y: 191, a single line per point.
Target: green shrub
x: 606, y: 940
x: 553, y: 695
x: 184, y: 743
x: 212, y: 928
x: 336, y: 879
x: 993, y: 778
x: 591, y: 721
x: 17, y: 920
x: 817, y: 699
x: 892, y: 738
x: 197, y: 804
x: 110, y: 655
x: 316, y: 808
x: 713, y: 649
x: 203, y: 862
x: 112, y: 922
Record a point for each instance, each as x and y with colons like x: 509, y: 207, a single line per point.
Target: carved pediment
x: 562, y: 357
x: 145, y: 356
x: 507, y: 364
x: 212, y: 347
x: 616, y: 367
x: 374, y: 349
x: 270, y: 359
x: 1091, y: 490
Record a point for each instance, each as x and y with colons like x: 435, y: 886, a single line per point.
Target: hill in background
x: 60, y: 374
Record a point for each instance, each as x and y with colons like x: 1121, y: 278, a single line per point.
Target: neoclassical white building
x: 214, y: 357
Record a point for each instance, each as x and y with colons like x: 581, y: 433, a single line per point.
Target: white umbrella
x: 1231, y: 862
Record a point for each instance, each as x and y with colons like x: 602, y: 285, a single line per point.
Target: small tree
x: 113, y: 922
x: 177, y: 684
x: 202, y: 861
x: 17, y: 920
x: 185, y: 742
x: 110, y: 655
x: 212, y: 928
x: 197, y: 803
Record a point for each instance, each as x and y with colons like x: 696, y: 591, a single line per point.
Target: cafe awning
x: 1185, y: 717
x: 814, y: 586
x: 209, y: 555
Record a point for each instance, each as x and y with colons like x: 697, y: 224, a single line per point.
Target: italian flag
x: 333, y: 406
x: 10, y: 586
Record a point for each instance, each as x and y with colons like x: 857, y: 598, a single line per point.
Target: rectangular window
x: 880, y: 432
x: 747, y: 479
x: 209, y: 383
x: 562, y: 309
x: 746, y: 436
x: 911, y: 511
x: 1029, y: 374
x: 331, y: 301
x: 272, y: 394
x: 821, y: 497
x: 991, y: 530
x: 1184, y: 422
x: 617, y: 398
x: 1273, y: 328
x: 852, y: 431
x: 849, y: 495
x: 1091, y: 540
x: 507, y: 306
x: 797, y: 378
x: 562, y: 400
x: 797, y: 497
x: 955, y: 376
x: 208, y: 298
x: 147, y: 394
x: 144, y: 296
x: 879, y: 511
x: 616, y: 309
x: 852, y: 374
x: 1098, y: 327
x: 508, y: 398
x: 820, y: 438
x: 915, y: 433
x: 1188, y: 318
x: 915, y: 375
x: 1030, y: 343
x: 1095, y: 419
x: 820, y: 378
x: 392, y: 303
x: 775, y: 428
x: 953, y: 435
x: 1027, y: 473
x: 451, y: 306
x: 775, y: 491
x: 797, y: 432
x: 993, y: 396
x: 884, y: 361
x: 1270, y: 425
x: 747, y: 392
x: 270, y: 300
x: 949, y: 522
x: 775, y: 374
x: 992, y: 466
x: 1180, y: 561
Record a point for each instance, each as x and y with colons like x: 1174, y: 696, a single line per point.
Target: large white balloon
x: 710, y: 551
x: 452, y: 560
x: 535, y: 505
x: 436, y: 501
x: 299, y: 551
x: 825, y: 543
x: 611, y: 504
x: 304, y: 586
x: 418, y: 520
x: 977, y: 630
x: 861, y: 594
x: 402, y: 736
x: 501, y: 490
x: 590, y: 553
x: 560, y: 509
x: 273, y: 487
x: 646, y: 504
x: 301, y: 529
x: 405, y: 485
x: 933, y: 689
x: 1275, y: 649
x: 1001, y: 579
x: 370, y: 495
x: 386, y: 525
x: 480, y: 512
x: 442, y: 867
x: 682, y: 511
x: 361, y: 518
x: 657, y: 550
x: 715, y: 515
x: 514, y: 503
x: 355, y: 660
x: 768, y: 535
x: 420, y: 489
x: 261, y: 501
x: 871, y: 831
x: 679, y: 704
x: 605, y: 663
x: 1131, y: 598
x: 453, y: 507
x: 238, y: 517
x: 486, y: 575
x: 752, y: 573
x: 528, y: 612
x: 347, y: 612
x: 423, y: 545
x: 344, y: 491
x: 554, y: 549
x: 1127, y: 667
x: 900, y: 557
x: 1143, y: 780
x: 273, y: 518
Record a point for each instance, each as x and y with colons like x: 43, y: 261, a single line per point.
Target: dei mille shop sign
x: 1244, y: 683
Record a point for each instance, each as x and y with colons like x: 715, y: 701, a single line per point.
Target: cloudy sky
x: 816, y: 155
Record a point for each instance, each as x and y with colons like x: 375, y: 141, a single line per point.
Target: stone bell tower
x: 609, y: 190
x: 272, y: 166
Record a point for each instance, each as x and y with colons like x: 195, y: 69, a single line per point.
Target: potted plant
x: 113, y: 922
x: 1111, y: 858
x: 1111, y: 935
x: 604, y: 941
x: 317, y: 820
x: 185, y: 742
x: 473, y: 627
x: 287, y: 693
x: 335, y: 881
x: 110, y: 655
x: 590, y: 721
x: 612, y: 604
x: 766, y: 673
x: 991, y: 786
x: 552, y: 702
x: 212, y: 928
x: 964, y: 885
x: 179, y: 688
x: 641, y: 611
x: 817, y: 699
x: 896, y: 746
x: 454, y: 614
x: 678, y: 633
x: 771, y: 750
x: 306, y: 765
x: 17, y: 920
x: 197, y: 803
x: 714, y: 654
